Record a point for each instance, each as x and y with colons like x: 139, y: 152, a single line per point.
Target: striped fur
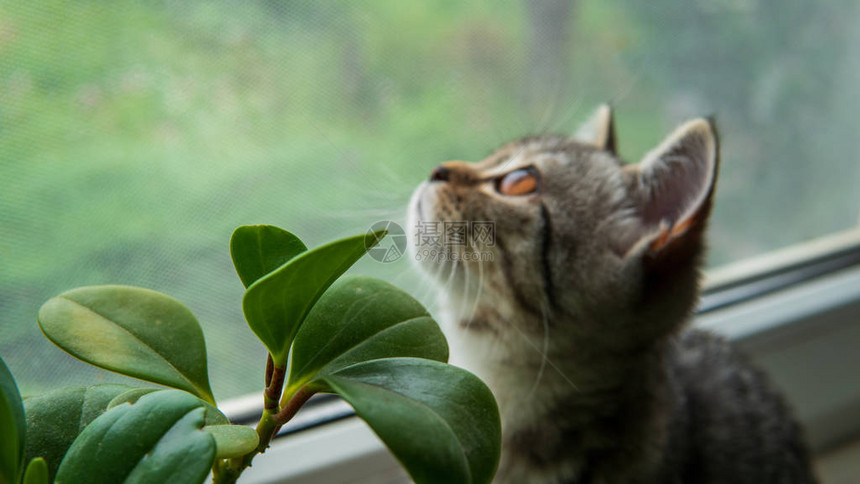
x: 578, y: 321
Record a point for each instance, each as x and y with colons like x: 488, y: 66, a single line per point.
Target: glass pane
x: 134, y: 136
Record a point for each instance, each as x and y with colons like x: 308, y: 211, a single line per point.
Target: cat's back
x: 732, y: 425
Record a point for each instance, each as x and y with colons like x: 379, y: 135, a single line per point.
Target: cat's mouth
x: 440, y: 238
x: 419, y: 212
x: 426, y: 230
x: 424, y: 208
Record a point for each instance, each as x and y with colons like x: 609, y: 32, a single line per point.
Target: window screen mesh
x: 134, y: 136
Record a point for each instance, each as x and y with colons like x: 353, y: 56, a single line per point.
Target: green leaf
x: 157, y: 439
x: 213, y: 415
x: 259, y: 249
x: 55, y: 419
x: 133, y: 331
x: 37, y: 472
x: 358, y: 319
x: 14, y: 428
x: 440, y: 421
x: 233, y: 440
x: 276, y: 304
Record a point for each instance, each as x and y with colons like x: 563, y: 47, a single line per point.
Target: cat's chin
x: 414, y: 218
x: 434, y: 263
x: 414, y: 213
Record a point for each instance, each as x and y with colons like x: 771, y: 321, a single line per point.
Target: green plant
x: 358, y: 337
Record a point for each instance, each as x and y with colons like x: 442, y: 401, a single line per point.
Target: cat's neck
x: 537, y: 356
x: 575, y: 396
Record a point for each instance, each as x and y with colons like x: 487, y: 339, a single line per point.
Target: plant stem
x: 296, y: 402
x: 267, y: 428
x: 226, y: 472
x: 270, y: 368
x: 276, y: 386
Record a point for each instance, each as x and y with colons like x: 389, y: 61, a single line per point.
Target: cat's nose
x: 440, y: 173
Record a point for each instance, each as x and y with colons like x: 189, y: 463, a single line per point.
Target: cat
x: 572, y: 302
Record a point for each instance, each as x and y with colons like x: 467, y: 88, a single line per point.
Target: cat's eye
x: 518, y: 182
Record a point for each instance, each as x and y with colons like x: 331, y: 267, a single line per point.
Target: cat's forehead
x: 534, y: 150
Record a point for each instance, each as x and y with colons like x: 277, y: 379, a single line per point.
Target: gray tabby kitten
x: 577, y: 323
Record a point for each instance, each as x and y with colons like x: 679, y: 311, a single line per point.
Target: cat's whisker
x: 513, y: 157
x: 393, y: 187
x: 464, y: 301
x: 398, y: 199
x: 387, y: 193
x: 434, y: 302
x: 544, y: 119
x: 396, y: 178
x: 557, y: 93
x: 376, y: 197
x: 431, y: 289
x: 389, y: 206
x: 378, y: 188
x: 544, y: 356
x: 634, y: 79
x: 561, y: 373
x: 569, y: 114
x: 451, y: 275
x: 323, y: 135
x: 405, y: 272
x: 480, y: 289
x: 387, y: 214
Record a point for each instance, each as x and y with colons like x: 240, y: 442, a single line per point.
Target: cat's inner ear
x: 673, y: 185
x: 598, y: 130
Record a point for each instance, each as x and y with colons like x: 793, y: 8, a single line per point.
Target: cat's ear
x: 673, y: 186
x: 598, y: 130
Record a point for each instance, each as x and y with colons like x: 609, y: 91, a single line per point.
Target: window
x: 134, y: 136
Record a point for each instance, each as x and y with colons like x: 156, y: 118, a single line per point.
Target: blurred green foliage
x: 134, y: 136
